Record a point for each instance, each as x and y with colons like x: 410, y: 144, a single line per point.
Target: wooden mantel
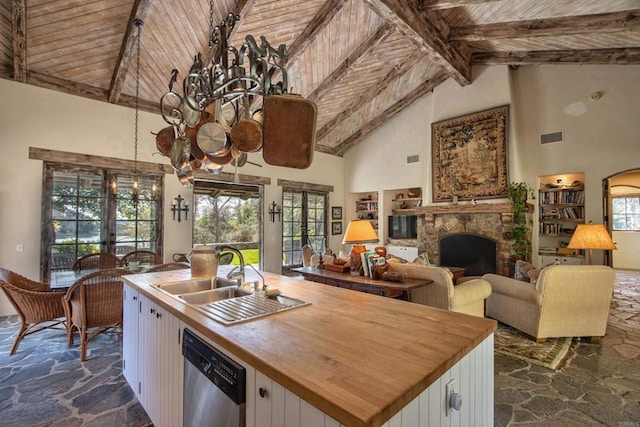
x: 506, y: 209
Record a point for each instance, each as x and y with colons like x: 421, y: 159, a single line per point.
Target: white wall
x: 36, y: 117
x: 601, y: 136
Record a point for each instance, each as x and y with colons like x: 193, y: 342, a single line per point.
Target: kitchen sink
x: 221, y: 299
x: 231, y: 310
x: 195, y: 285
x: 213, y: 295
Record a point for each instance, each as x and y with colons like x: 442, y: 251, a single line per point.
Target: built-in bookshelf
x: 561, y: 209
x: 367, y: 208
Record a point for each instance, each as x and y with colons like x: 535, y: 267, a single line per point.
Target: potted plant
x: 519, y: 193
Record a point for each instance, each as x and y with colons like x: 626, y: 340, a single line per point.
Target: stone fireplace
x: 493, y: 221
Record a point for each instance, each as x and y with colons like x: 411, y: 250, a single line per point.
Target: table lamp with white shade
x: 591, y: 236
x: 359, y: 231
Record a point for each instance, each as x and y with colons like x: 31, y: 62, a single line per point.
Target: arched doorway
x: 621, y: 200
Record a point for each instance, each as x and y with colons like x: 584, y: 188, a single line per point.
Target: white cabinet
x: 277, y: 407
x: 130, y: 314
x: 405, y: 252
x: 158, y: 357
x: 564, y: 260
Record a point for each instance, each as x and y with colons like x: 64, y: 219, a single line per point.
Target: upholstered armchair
x: 467, y: 297
x: 565, y: 301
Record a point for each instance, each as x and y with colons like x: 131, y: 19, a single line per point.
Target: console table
x: 363, y: 284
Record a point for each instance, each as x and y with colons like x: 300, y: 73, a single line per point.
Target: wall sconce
x: 274, y: 211
x: 176, y: 206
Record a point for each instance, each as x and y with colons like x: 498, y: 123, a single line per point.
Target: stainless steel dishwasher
x: 214, y: 386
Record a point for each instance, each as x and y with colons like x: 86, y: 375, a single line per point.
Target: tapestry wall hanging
x: 469, y: 155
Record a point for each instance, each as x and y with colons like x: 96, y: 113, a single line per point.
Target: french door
x: 88, y: 211
x: 304, y: 222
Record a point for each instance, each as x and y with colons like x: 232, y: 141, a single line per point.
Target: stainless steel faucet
x: 233, y: 274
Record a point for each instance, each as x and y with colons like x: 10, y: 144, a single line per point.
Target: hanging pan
x: 246, y: 134
x: 289, y: 131
x: 164, y: 140
x: 180, y: 152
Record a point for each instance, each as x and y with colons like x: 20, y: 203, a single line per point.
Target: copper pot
x: 246, y: 134
x: 164, y: 140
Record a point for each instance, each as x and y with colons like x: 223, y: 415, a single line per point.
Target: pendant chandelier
x: 134, y: 193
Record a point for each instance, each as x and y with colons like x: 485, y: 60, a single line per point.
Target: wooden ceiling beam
x: 449, y: 4
x: 430, y: 32
x: 387, y: 114
x: 365, y: 47
x: 127, y: 49
x: 603, y: 23
x: 392, y: 77
x: 321, y: 19
x: 624, y: 56
x: 19, y: 36
x: 86, y: 91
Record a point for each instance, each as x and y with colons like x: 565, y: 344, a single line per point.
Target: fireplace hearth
x: 476, y: 254
x: 490, y: 221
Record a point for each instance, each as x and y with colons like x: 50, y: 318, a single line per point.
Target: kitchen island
x: 349, y: 358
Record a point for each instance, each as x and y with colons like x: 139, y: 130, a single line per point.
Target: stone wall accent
x: 494, y: 221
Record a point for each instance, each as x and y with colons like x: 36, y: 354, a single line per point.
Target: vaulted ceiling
x: 361, y: 61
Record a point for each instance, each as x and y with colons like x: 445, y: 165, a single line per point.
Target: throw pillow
x: 393, y: 258
x: 422, y: 259
x: 533, y: 274
x: 522, y: 267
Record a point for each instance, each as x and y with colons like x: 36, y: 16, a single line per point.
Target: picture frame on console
x: 469, y: 155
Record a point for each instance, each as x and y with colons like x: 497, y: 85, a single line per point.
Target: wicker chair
x: 94, y: 306
x: 38, y: 306
x: 143, y: 257
x: 167, y: 267
x: 99, y: 261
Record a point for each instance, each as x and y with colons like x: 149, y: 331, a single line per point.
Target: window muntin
x: 626, y: 213
x: 85, y: 217
x: 304, y: 216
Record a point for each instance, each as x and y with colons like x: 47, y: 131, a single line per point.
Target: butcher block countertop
x: 359, y: 358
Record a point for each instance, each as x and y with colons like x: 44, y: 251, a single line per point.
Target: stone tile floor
x: 45, y: 384
x: 600, y: 387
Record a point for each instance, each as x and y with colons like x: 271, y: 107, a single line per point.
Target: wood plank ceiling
x: 361, y: 61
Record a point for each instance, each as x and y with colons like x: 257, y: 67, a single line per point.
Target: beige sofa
x: 465, y: 298
x: 566, y: 301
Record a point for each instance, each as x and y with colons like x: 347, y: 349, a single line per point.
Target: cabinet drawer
x: 332, y: 282
x: 377, y: 290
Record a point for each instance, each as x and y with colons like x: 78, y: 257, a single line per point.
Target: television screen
x: 403, y: 226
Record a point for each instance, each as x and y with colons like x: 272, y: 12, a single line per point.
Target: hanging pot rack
x: 236, y: 80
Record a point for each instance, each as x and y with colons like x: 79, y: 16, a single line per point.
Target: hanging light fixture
x: 236, y: 80
x: 134, y: 192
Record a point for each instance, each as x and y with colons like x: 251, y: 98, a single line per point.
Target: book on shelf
x: 547, y: 251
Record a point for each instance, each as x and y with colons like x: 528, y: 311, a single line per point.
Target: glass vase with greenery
x: 519, y: 193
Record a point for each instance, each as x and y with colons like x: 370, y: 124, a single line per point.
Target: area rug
x: 555, y: 353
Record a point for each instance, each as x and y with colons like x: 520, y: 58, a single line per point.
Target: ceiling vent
x: 550, y: 138
x: 414, y: 158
